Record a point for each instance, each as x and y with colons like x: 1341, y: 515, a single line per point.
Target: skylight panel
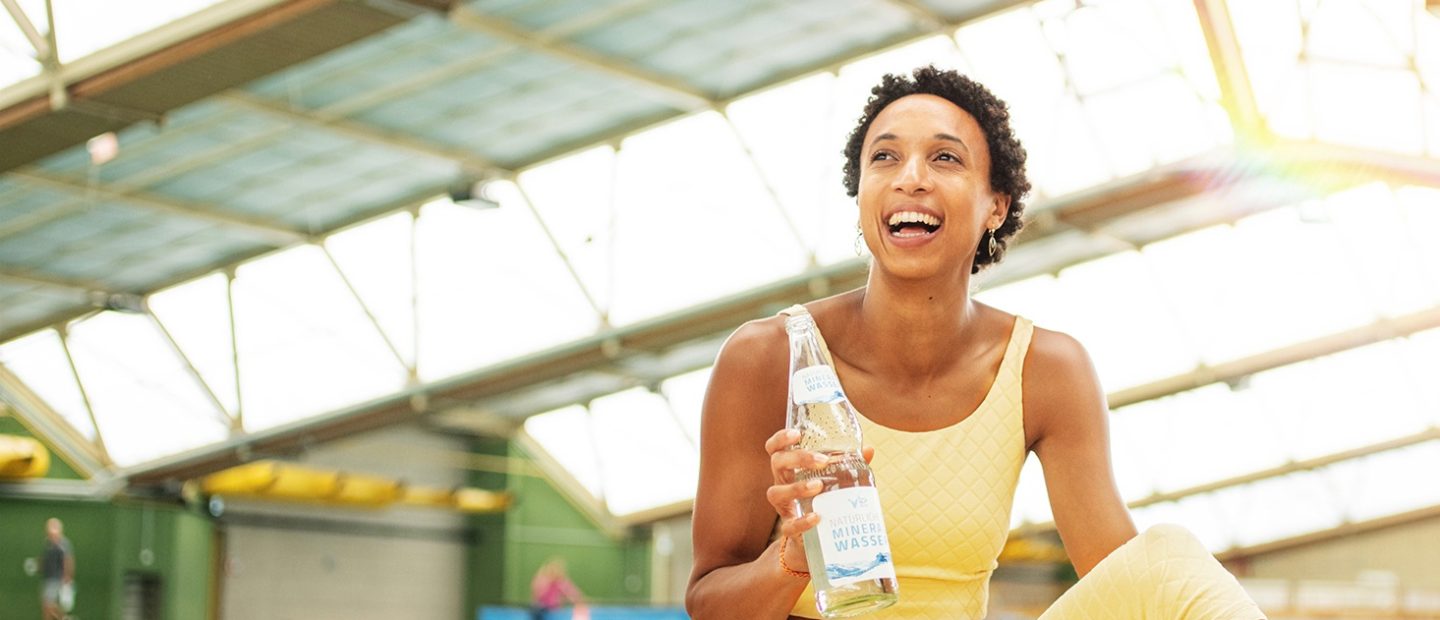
x: 17, y: 57
x: 575, y: 196
x: 1278, y: 508
x: 566, y: 436
x: 671, y: 236
x: 491, y: 287
x: 145, y: 401
x: 1395, y: 280
x: 797, y: 147
x: 1100, y: 91
x: 1131, y: 332
x: 39, y: 361
x: 83, y: 27
x: 376, y: 258
x: 1421, y: 353
x: 1314, y: 68
x: 1389, y: 100
x: 1038, y: 298
x: 632, y: 480
x: 687, y: 395
x: 198, y: 318
x: 1324, y: 411
x: 1384, y: 483
x: 305, y: 345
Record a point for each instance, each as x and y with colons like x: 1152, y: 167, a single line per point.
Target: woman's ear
x: 1000, y: 207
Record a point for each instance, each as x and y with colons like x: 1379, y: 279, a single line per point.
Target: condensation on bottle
x: 848, y: 551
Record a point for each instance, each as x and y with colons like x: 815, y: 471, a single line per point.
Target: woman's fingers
x: 781, y: 440
x: 786, y: 493
x: 796, y: 527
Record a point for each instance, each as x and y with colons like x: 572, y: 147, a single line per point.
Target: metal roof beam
x: 50, y: 281
x: 1229, y: 372
x: 832, y: 64
x: 32, y: 34
x: 683, y: 96
x: 362, y: 131
x: 50, y: 426
x: 1236, y: 95
x: 270, y: 230
x: 923, y: 15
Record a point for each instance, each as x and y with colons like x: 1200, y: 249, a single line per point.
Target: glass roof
x: 723, y: 201
x: 83, y: 27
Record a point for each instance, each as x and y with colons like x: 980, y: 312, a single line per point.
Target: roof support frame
x: 362, y: 132
x: 51, y: 281
x: 769, y: 186
x: 1236, y: 94
x: 64, y: 333
x: 682, y: 96
x: 269, y: 230
x: 222, y: 414
x: 49, y: 425
x: 37, y: 41
x: 602, y: 316
x: 365, y: 308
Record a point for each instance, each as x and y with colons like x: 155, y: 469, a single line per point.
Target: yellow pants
x: 1162, y: 574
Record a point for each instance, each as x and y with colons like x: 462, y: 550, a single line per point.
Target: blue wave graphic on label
x: 816, y: 384
x: 838, y: 571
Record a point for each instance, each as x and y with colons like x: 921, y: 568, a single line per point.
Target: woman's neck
x: 916, y: 328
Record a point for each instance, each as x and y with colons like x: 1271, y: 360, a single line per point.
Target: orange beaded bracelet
x: 784, y: 542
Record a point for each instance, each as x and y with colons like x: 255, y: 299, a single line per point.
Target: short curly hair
x: 1007, y: 156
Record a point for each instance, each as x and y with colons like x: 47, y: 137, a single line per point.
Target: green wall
x: 108, y: 540
x: 543, y: 524
x: 58, y: 467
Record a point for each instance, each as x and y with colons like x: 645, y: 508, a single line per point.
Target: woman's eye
x: 948, y: 157
x: 879, y: 156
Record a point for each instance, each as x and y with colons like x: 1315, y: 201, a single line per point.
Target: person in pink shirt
x: 551, y: 588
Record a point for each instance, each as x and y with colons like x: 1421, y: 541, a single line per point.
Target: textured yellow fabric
x: 947, y: 495
x: 1162, y: 574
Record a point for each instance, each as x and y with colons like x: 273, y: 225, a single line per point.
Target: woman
x: 939, y: 179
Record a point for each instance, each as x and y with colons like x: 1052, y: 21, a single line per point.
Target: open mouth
x: 908, y: 224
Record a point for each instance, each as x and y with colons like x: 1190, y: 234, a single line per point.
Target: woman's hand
x: 785, y: 491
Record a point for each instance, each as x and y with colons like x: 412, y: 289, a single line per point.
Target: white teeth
x: 913, y: 217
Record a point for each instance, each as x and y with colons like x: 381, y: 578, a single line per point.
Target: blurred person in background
x: 57, y: 572
x: 551, y: 588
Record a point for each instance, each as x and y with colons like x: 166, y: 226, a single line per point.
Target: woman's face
x: 925, y: 197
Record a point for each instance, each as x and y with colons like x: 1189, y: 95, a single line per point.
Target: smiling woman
x: 953, y: 393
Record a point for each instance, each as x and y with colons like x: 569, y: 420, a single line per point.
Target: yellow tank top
x: 947, y: 495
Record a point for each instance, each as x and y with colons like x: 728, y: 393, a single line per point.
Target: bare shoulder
x: 749, y: 378
x: 1054, y: 354
x: 758, y: 346
x: 1061, y: 388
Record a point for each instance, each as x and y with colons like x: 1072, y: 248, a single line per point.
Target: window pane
x: 145, y: 401
x: 198, y: 318
x: 39, y: 361
x: 305, y: 345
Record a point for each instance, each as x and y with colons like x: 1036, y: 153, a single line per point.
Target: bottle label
x: 853, y: 542
x: 816, y: 384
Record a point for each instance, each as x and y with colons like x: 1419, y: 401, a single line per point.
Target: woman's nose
x: 913, y: 176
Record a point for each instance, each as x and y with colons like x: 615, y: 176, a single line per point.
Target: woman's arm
x: 1064, y: 401
x: 745, y: 483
